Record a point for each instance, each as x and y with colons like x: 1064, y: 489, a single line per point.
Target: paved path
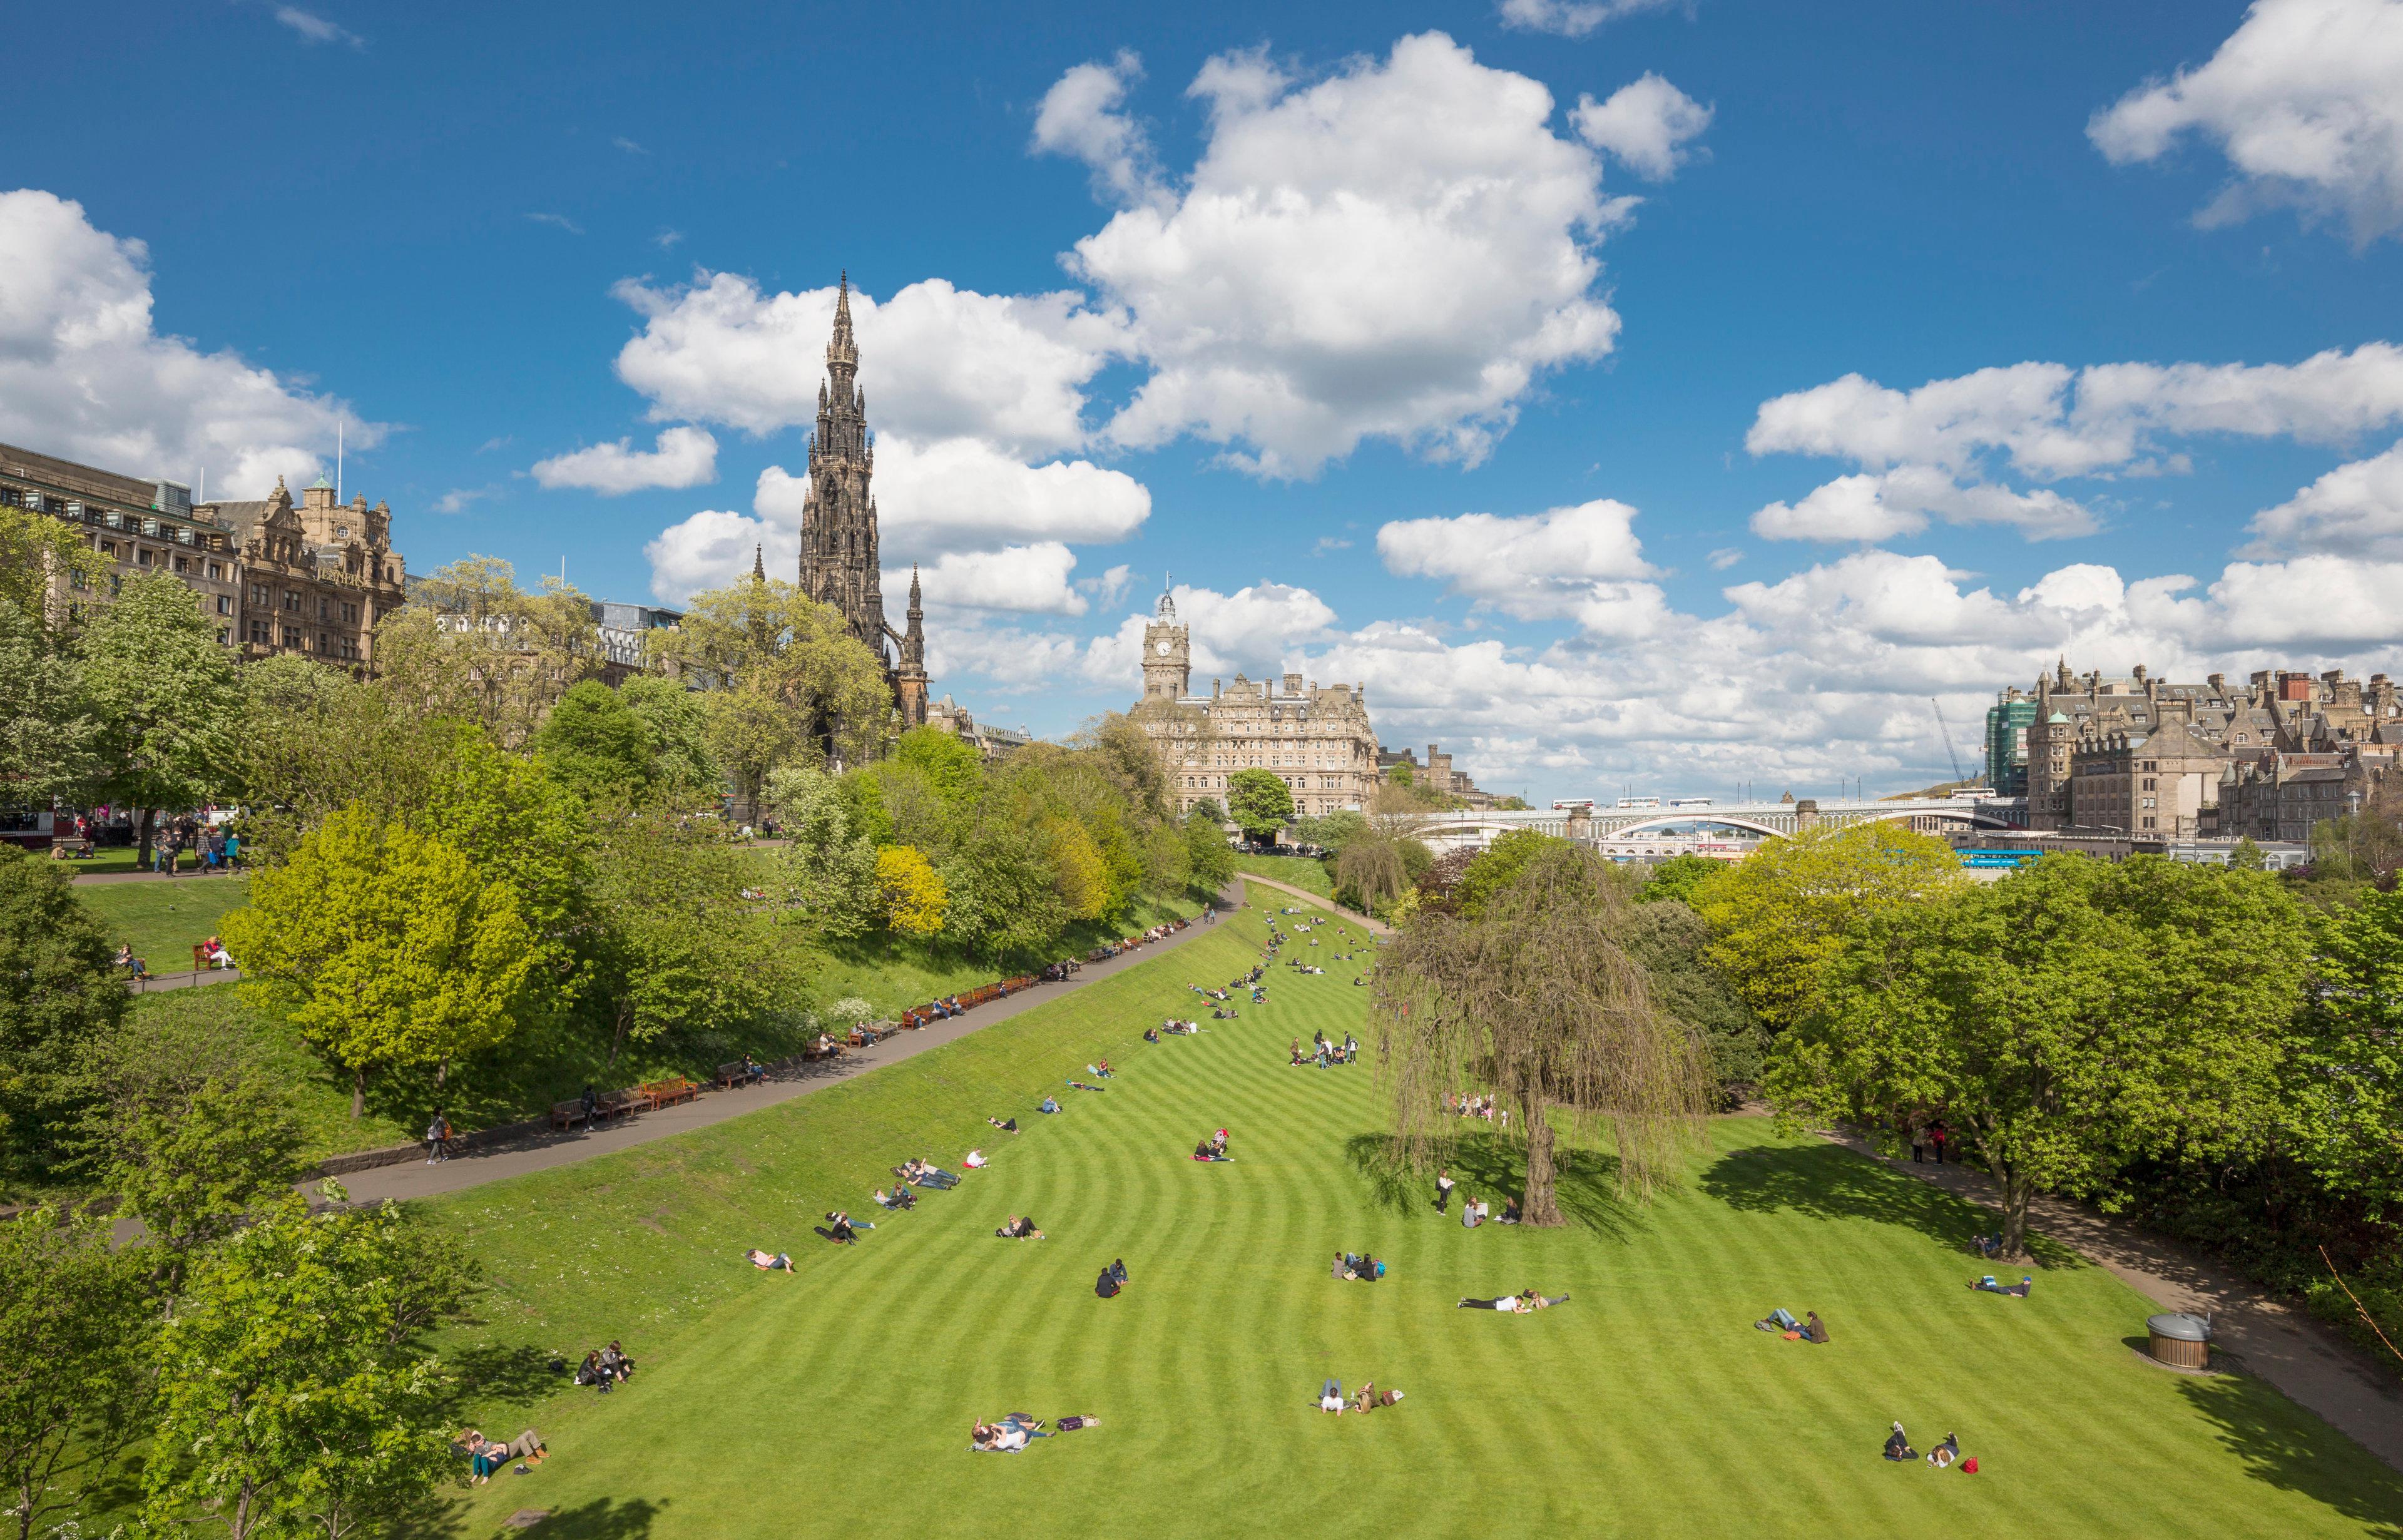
x: 2299, y: 1355
x: 184, y: 979
x: 1374, y: 927
x: 541, y: 1152
x: 185, y: 875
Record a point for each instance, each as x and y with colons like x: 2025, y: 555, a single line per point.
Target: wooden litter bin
x: 2180, y: 1340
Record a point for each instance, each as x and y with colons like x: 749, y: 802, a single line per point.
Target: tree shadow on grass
x: 1586, y: 1182
x: 505, y: 1374
x: 2290, y: 1447
x: 603, y: 1518
x: 1828, y: 1182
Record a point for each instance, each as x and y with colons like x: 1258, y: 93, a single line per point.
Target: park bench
x: 732, y: 1075
x: 667, y: 1093
x: 620, y: 1103
x: 566, y: 1115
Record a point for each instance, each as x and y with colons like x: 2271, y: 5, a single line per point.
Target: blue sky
x: 1498, y: 358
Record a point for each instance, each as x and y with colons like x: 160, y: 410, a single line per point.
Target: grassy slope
x: 1302, y: 871
x: 1647, y: 1406
x: 163, y: 920
x: 894, y: 978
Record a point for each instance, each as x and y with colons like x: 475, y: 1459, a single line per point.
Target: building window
x: 217, y: 573
x: 292, y: 600
x: 142, y: 556
x: 224, y: 605
x: 225, y: 635
x: 260, y: 635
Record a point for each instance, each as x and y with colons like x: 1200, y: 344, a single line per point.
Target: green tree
x: 1535, y: 1001
x: 1208, y: 808
x: 196, y: 1129
x: 1211, y: 864
x: 37, y: 551
x: 682, y: 771
x: 793, y: 686
x: 386, y: 947
x: 1783, y: 913
x: 1005, y: 896
x: 45, y: 732
x: 683, y: 948
x: 60, y: 1005
x: 314, y: 739
x: 1331, y: 832
x: 1500, y: 866
x: 1673, y: 881
x: 595, y: 745
x: 2077, y: 1017
x: 950, y: 765
x: 74, y: 1324
x: 2248, y: 856
x: 294, y: 1390
x: 1671, y: 942
x: 517, y: 825
x: 1259, y: 802
x: 829, y: 868
x: 473, y: 647
x: 2344, y: 1097
x: 163, y: 695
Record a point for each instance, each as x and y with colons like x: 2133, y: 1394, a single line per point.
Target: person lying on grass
x: 899, y: 1198
x: 1516, y: 1304
x: 924, y: 1174
x: 1020, y: 1228
x: 765, y: 1263
x: 2017, y: 1291
x: 1898, y: 1447
x: 1075, y: 1084
x: 839, y: 1230
x: 1362, y: 1268
x: 1945, y: 1453
x: 1007, y: 1125
x: 1371, y: 1397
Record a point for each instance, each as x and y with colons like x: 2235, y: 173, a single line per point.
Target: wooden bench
x: 734, y: 1073
x: 566, y: 1115
x: 620, y: 1103
x: 667, y: 1093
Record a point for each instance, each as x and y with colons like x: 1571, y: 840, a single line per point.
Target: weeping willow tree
x: 1536, y: 1004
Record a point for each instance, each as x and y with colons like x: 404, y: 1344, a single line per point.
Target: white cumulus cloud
x: 1645, y: 125
x: 1023, y: 579
x: 1572, y: 18
x: 1939, y: 451
x: 85, y: 374
x: 1397, y: 250
x: 680, y: 457
x: 2355, y: 509
x: 961, y: 495
x: 1582, y: 561
x: 2305, y: 99
x: 715, y: 546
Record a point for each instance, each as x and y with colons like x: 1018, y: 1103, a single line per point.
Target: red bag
x: 1969, y: 1466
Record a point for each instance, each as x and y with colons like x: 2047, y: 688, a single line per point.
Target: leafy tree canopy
x: 74, y: 1330
x: 473, y: 647
x: 60, y: 1004
x: 909, y: 893
x: 952, y: 766
x: 47, y: 736
x: 1676, y: 879
x: 161, y: 692
x: 1261, y: 803
x: 2064, y: 1022
x: 1781, y: 914
x: 1500, y: 866
x: 596, y: 746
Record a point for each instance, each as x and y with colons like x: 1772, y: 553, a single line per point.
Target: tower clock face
x: 1162, y: 647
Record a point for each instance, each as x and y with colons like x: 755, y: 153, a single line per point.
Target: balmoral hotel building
x: 273, y: 576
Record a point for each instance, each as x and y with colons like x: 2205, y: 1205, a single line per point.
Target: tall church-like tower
x: 1167, y: 653
x: 909, y: 682
x: 839, y: 560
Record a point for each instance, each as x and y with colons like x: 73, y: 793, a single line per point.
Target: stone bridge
x: 1455, y: 829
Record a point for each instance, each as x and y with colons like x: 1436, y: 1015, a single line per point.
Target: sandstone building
x: 839, y: 535
x: 1436, y: 776
x: 1314, y: 737
x: 271, y: 576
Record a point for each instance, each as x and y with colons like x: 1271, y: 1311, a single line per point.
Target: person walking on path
x: 1918, y: 1144
x: 591, y: 1106
x: 438, y: 1139
x: 1442, y: 1189
x: 1936, y: 1135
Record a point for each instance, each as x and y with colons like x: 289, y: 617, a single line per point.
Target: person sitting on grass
x: 1817, y: 1331
x: 1297, y: 1053
x: 1371, y: 1397
x: 1112, y: 1280
x: 1048, y: 1105
x: 1007, y: 1125
x: 1100, y: 1071
x: 1206, y: 1151
x: 615, y: 1365
x: 1151, y: 1035
x: 1020, y: 1228
x: 1898, y: 1447
x: 765, y: 1263
x: 1218, y: 1146
x: 837, y: 1229
x: 1943, y: 1454
x: 899, y: 1198
x: 589, y: 1372
x: 973, y: 1160
x: 1511, y: 1214
x: 1331, y: 1396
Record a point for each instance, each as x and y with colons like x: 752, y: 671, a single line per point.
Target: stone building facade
x: 1316, y: 739
x: 271, y: 576
x: 1436, y: 775
x: 839, y: 534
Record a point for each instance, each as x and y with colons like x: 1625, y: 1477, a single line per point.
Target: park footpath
x: 1374, y: 927
x: 542, y: 1150
x: 2302, y: 1356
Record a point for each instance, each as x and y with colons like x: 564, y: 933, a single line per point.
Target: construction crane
x: 1944, y: 727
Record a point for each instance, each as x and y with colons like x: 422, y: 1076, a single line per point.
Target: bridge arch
x: 1649, y: 826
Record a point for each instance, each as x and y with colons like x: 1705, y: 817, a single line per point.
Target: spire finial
x: 759, y: 563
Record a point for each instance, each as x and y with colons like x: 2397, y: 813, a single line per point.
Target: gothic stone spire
x: 838, y: 564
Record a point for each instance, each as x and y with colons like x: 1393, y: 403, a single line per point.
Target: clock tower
x: 1167, y: 653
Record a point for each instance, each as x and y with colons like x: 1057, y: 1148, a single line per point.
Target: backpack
x: 1969, y: 1466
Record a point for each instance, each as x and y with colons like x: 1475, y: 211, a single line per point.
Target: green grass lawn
x: 164, y: 919
x: 1303, y: 871
x: 837, y: 1401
